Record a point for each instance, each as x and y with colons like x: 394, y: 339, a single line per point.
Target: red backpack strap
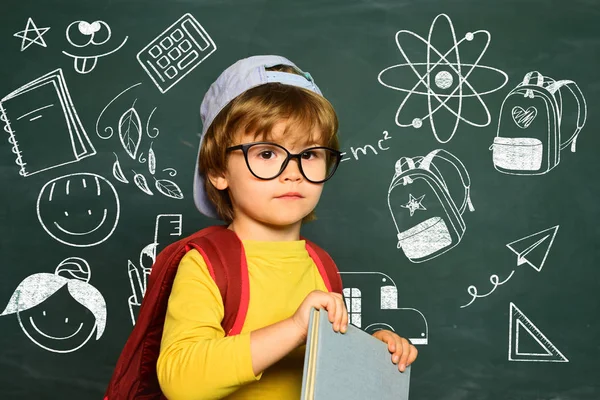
x: 327, y: 268
x: 225, y: 258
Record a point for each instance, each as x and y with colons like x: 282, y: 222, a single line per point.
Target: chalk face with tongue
x: 82, y: 34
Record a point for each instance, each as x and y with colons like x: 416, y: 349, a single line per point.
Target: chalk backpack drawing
x: 530, y: 133
x: 424, y: 211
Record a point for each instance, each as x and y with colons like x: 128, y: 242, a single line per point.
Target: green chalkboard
x: 484, y: 253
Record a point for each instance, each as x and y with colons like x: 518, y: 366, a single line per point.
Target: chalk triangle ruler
x: 519, y: 326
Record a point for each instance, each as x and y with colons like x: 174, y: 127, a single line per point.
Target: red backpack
x: 134, y: 376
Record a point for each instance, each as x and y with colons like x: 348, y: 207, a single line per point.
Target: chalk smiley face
x: 82, y: 34
x: 58, y: 324
x: 79, y: 210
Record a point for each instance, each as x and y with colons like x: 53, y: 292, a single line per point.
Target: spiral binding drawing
x: 44, y: 105
x: 12, y: 140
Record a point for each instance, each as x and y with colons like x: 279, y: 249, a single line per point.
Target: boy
x: 269, y: 141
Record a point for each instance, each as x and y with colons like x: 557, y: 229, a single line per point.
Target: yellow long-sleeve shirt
x: 197, y: 361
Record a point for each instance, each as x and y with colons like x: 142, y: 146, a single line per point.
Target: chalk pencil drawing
x: 519, y: 326
x: 531, y: 250
x: 176, y: 52
x: 79, y: 210
x: 443, y: 78
x: 60, y: 311
x: 81, y: 34
x: 530, y: 135
x: 36, y: 35
x: 167, y: 228
x: 43, y: 126
x: 377, y: 288
x: 426, y: 230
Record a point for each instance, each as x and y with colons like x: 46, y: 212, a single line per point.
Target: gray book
x: 351, y: 365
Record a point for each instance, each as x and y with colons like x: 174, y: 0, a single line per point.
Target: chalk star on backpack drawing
x: 36, y: 33
x: 443, y: 80
x: 414, y: 204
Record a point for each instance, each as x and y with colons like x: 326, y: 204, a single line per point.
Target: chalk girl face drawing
x: 60, y: 314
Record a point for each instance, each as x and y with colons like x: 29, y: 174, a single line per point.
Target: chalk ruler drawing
x: 166, y: 227
x: 40, y: 109
x: 530, y: 134
x: 59, y: 312
x: 518, y: 326
x: 362, y: 288
x: 79, y: 210
x: 428, y: 220
x: 531, y: 250
x: 81, y: 34
x: 176, y: 52
x: 37, y: 35
x: 443, y: 78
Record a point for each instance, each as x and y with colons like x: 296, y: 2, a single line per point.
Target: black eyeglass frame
x: 244, y: 147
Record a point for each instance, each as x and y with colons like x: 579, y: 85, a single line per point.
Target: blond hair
x: 256, y: 111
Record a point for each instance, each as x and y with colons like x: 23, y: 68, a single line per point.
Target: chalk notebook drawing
x: 176, y: 52
x: 39, y: 109
x: 531, y: 133
x: 352, y: 365
x: 426, y: 216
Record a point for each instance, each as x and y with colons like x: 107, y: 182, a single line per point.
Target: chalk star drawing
x: 414, y: 204
x: 449, y: 80
x: 37, y: 32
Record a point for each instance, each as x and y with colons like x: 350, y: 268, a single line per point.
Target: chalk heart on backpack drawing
x: 523, y: 118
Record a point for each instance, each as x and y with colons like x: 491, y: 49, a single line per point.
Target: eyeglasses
x: 267, y: 160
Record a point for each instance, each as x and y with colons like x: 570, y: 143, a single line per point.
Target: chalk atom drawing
x: 533, y: 249
x: 176, y: 52
x: 81, y: 34
x: 443, y: 78
x: 36, y: 33
x: 43, y: 108
x: 521, y: 326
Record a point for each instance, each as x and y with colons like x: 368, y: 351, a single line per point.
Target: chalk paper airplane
x: 534, y: 249
x: 520, y: 324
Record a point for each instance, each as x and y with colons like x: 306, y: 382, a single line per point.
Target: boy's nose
x: 292, y: 171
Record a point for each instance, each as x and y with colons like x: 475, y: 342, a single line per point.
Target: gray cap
x: 235, y: 80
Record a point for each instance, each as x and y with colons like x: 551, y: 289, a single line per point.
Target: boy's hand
x: 403, y: 353
x: 332, y: 302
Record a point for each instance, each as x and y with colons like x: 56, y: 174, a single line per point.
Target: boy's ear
x: 218, y: 181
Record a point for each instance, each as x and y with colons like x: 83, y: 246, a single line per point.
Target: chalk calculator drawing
x: 43, y: 126
x: 521, y: 327
x: 176, y: 52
